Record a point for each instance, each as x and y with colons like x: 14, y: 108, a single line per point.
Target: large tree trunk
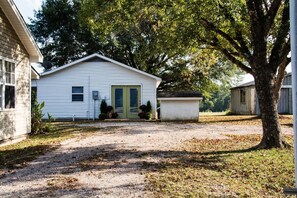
x: 272, y: 135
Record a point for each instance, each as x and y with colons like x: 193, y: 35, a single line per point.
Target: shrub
x: 145, y: 111
x: 103, y: 107
x: 148, y: 107
x: 102, y: 116
x: 36, y: 118
x: 109, y: 109
x: 142, y: 115
x: 143, y: 108
x: 37, y: 125
x: 114, y: 115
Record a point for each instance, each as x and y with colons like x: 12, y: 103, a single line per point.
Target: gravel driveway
x: 109, y: 163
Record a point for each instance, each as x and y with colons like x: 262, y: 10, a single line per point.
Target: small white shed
x: 177, y: 106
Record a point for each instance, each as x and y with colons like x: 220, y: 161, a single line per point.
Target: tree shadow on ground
x: 109, y: 159
x: 231, y: 119
x: 16, y: 158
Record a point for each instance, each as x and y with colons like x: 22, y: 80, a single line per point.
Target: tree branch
x: 266, y: 5
x: 243, y: 53
x: 239, y: 37
x: 229, y: 56
x: 269, y: 18
x: 280, y: 43
x: 279, y: 78
x: 236, y: 61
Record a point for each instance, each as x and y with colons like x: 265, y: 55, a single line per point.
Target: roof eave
x: 21, y: 29
x: 180, y: 98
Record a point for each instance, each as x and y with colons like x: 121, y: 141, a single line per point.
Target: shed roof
x: 252, y: 83
x: 248, y: 84
x: 16, y: 20
x: 91, y: 57
x: 178, y: 94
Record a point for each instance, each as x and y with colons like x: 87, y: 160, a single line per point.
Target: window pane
x: 77, y: 89
x: 9, y: 97
x: 8, y: 79
x: 9, y: 72
x: 133, y: 100
x: 1, y: 71
x: 118, y: 100
x: 13, y: 79
x: 77, y: 97
x: 1, y: 96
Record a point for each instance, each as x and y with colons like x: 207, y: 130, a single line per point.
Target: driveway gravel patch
x: 112, y: 163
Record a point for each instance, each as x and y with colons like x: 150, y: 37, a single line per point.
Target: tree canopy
x: 141, y: 40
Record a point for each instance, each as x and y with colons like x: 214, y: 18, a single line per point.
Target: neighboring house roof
x: 16, y: 20
x: 248, y: 84
x: 182, y: 95
x: 252, y: 83
x: 106, y: 59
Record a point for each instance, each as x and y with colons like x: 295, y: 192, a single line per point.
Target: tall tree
x: 251, y: 34
x: 67, y: 31
x: 254, y: 35
x: 57, y: 29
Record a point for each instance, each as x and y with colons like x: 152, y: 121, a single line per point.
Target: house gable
x: 16, y: 21
x: 99, y: 58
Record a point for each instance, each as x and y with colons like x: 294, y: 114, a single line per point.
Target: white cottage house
x: 17, y: 51
x: 76, y: 90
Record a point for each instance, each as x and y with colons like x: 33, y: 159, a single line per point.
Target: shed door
x: 126, y: 100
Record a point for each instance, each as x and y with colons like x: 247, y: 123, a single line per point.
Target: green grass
x: 286, y: 120
x: 224, y: 168
x: 16, y: 155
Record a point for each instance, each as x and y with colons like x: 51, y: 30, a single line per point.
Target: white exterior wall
x: 179, y: 110
x: 15, y: 122
x: 56, y: 89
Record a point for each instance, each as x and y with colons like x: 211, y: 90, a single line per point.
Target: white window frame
x: 83, y: 93
x: 3, y: 82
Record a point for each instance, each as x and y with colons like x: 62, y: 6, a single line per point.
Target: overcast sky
x: 27, y: 7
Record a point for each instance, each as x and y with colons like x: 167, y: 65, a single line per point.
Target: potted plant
x: 103, y: 110
x: 145, y: 111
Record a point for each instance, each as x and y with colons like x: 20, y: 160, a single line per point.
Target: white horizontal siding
x: 56, y: 89
x: 179, y: 110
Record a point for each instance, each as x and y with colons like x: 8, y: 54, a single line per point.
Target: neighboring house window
x: 7, y: 84
x: 242, y: 96
x: 77, y: 94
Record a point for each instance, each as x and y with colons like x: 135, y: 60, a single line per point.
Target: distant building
x: 244, y: 99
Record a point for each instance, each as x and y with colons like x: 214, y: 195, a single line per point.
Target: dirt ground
x: 112, y: 162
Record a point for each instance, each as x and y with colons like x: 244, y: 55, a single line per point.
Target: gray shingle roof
x: 179, y: 94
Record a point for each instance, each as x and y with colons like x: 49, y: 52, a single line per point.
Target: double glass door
x: 126, y: 100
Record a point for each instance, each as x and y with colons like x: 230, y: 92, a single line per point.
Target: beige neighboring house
x: 17, y: 51
x: 244, y: 98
